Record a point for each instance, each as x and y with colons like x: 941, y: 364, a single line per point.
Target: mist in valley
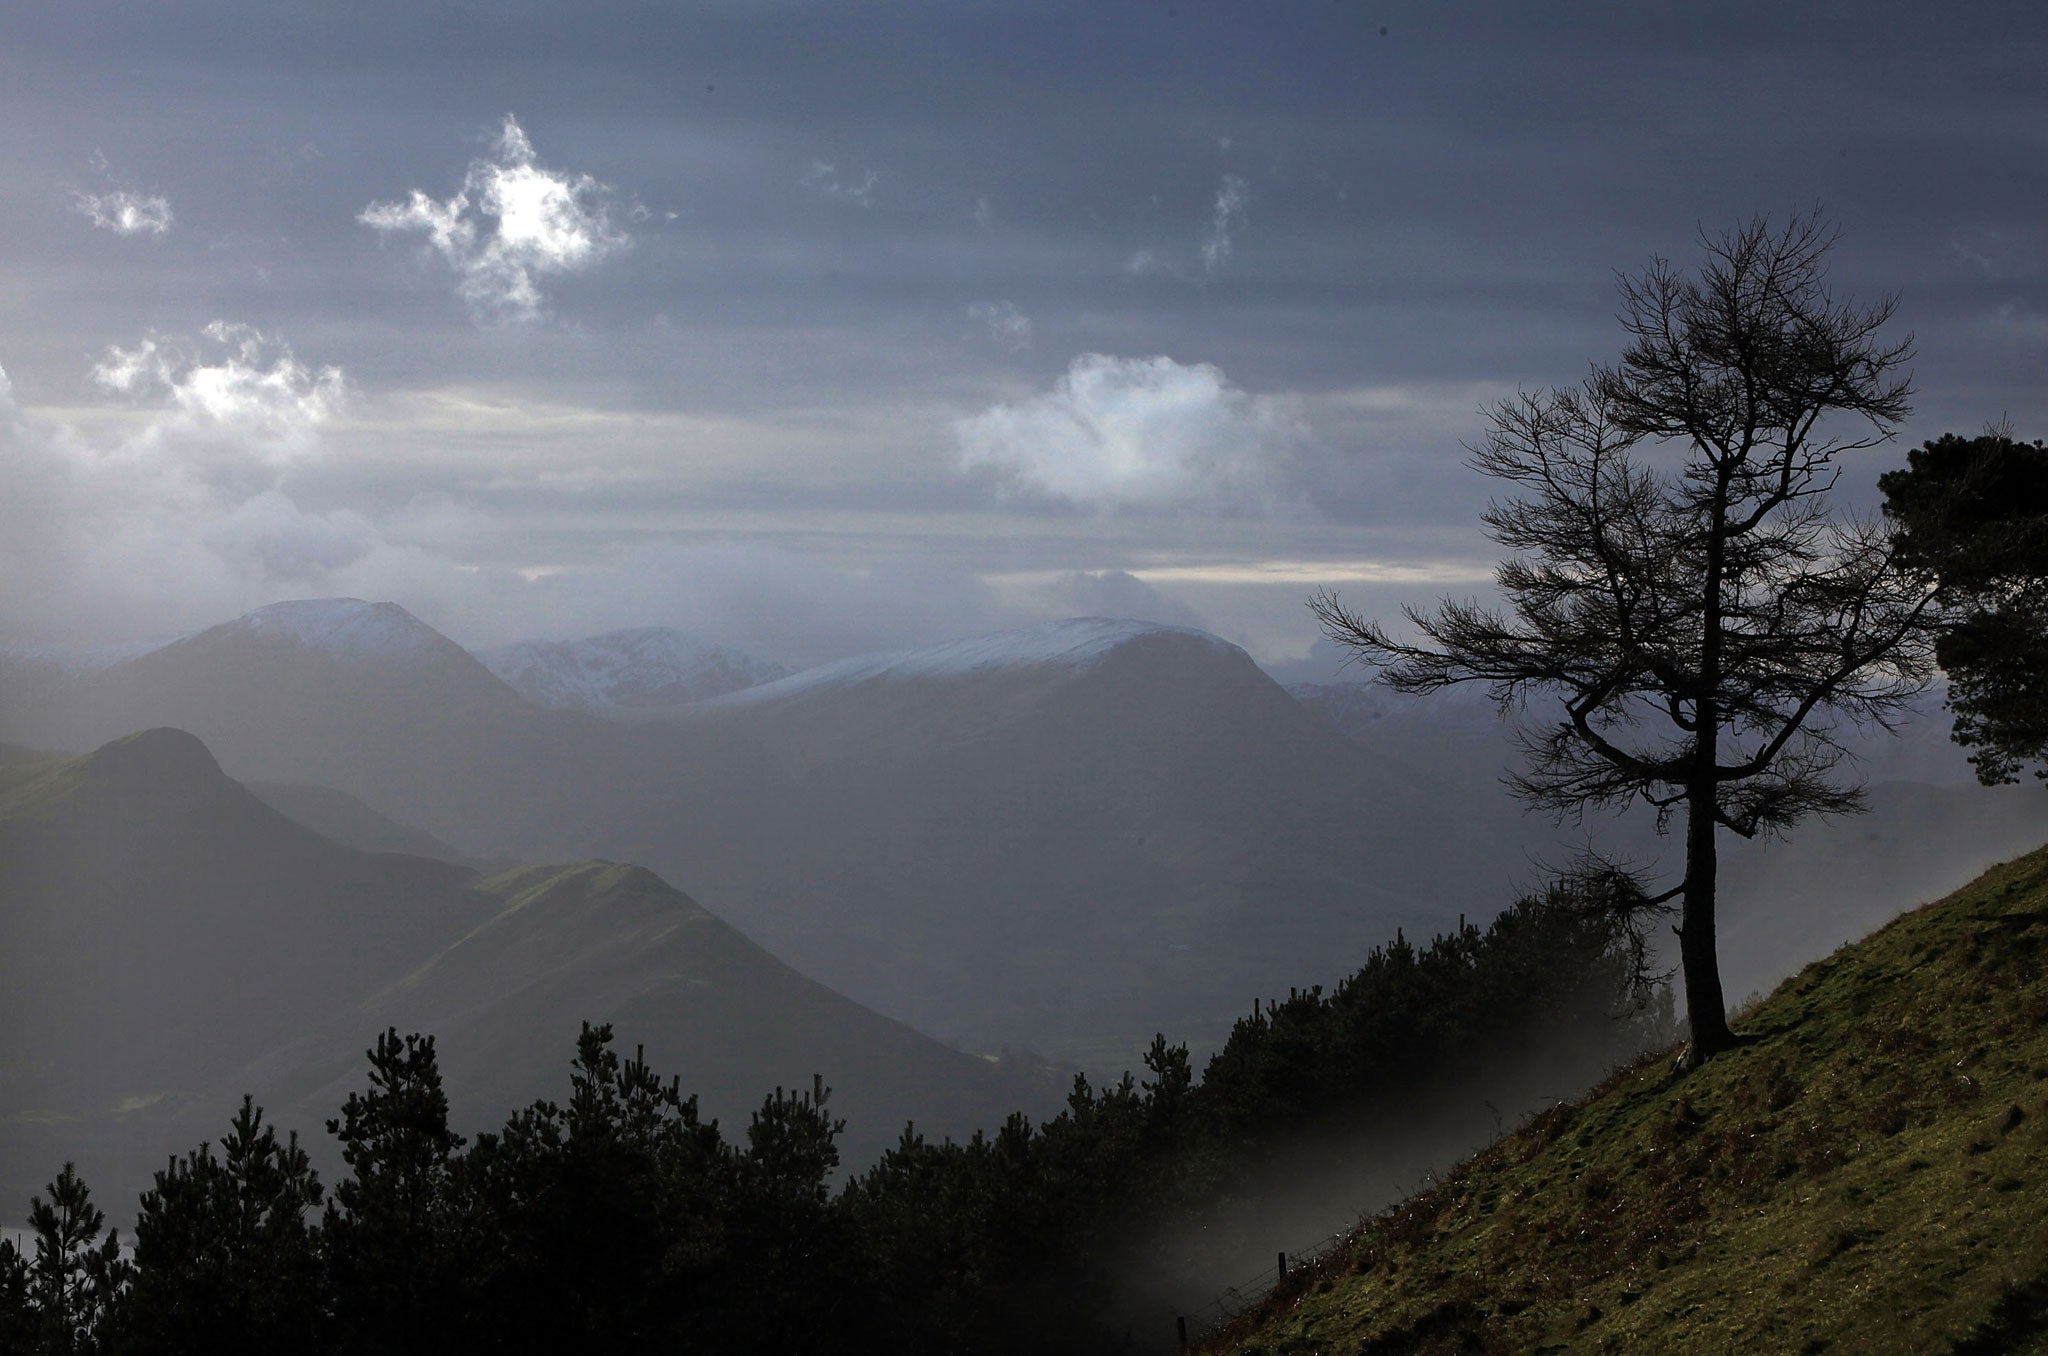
x: 790, y: 535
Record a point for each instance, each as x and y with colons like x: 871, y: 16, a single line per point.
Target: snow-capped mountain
x: 366, y: 699
x: 646, y: 666
x: 344, y: 627
x: 336, y: 626
x: 1075, y: 645
x: 378, y: 641
x: 347, y: 632
x: 333, y: 672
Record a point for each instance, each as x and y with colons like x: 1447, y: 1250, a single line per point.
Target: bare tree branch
x: 1707, y: 629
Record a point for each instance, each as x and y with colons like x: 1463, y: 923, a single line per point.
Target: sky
x: 816, y: 328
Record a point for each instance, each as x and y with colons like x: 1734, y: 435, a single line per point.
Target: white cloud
x: 132, y: 371
x: 1139, y: 433
x: 125, y: 213
x: 1226, y: 215
x: 247, y: 398
x: 513, y: 223
x: 823, y: 177
x: 172, y: 509
x: 1007, y: 325
x: 1446, y: 570
x: 169, y: 506
x: 116, y: 540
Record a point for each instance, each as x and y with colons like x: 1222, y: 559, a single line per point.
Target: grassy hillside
x: 1867, y: 1174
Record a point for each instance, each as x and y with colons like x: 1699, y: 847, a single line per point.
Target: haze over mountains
x: 1092, y: 829
x: 647, y: 666
x: 1064, y: 838
x: 1033, y: 851
x: 165, y: 918
x: 170, y: 942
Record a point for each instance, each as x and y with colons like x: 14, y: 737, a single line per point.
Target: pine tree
x: 226, y: 1259
x: 387, y: 1231
x: 60, y: 1301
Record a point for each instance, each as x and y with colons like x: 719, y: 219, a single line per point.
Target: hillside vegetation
x: 624, y: 1219
x: 1866, y: 1173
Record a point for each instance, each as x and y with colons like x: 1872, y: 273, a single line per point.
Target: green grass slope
x: 1867, y: 1174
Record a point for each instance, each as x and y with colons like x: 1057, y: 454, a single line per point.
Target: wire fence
x: 1198, y: 1324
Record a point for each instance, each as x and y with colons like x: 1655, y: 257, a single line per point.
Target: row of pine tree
x: 621, y: 1221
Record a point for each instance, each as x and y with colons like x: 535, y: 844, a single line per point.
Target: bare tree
x: 1675, y: 579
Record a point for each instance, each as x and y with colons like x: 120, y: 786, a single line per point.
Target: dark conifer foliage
x: 390, y: 1231
x: 61, y: 1298
x: 600, y: 1222
x: 17, y: 1317
x: 1020, y: 1240
x: 1974, y: 512
x: 620, y: 1221
x: 226, y: 1258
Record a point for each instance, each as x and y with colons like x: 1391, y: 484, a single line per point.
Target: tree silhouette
x: 1683, y: 611
x: 17, y: 1319
x: 786, y: 1238
x: 601, y: 1222
x: 226, y: 1260
x: 59, y: 1299
x: 388, y: 1232
x: 1975, y: 511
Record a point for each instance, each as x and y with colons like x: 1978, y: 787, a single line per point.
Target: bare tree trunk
x: 1699, y: 961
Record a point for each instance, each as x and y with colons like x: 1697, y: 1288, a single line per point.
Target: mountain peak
x: 134, y: 778
x: 157, y: 756
x: 339, y: 624
x: 1075, y: 644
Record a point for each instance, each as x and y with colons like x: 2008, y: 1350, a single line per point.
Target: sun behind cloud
x: 513, y: 222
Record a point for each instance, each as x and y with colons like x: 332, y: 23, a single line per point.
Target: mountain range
x: 1090, y: 832
x: 1060, y: 839
x: 169, y: 941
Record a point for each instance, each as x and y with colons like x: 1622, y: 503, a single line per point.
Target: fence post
x: 1180, y: 1322
x: 1283, y: 1266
